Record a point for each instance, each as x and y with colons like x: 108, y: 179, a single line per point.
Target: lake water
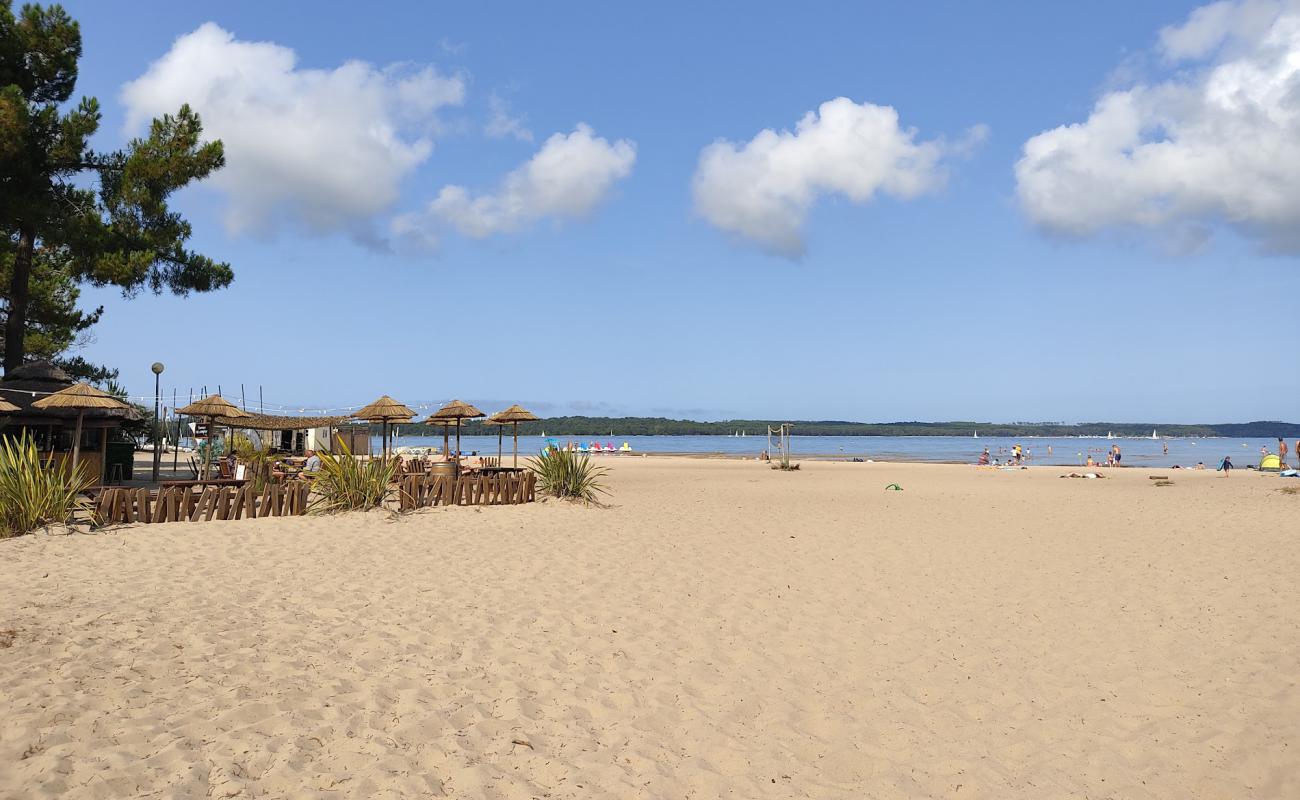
x: 949, y: 449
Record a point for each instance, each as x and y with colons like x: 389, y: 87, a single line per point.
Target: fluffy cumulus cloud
x: 762, y: 190
x: 325, y: 148
x: 567, y: 178
x: 1214, y: 142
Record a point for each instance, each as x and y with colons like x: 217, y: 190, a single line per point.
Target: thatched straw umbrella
x: 212, y: 407
x: 446, y: 425
x: 515, y: 414
x: 7, y: 407
x: 457, y: 410
x: 80, y: 396
x: 385, y: 410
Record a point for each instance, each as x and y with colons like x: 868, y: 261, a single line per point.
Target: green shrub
x: 259, y: 461
x: 564, y: 474
x: 33, y: 494
x: 346, y: 484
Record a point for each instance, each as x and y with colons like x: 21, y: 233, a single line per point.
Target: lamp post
x: 157, y: 403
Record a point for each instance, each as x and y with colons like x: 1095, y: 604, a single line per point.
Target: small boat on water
x: 1153, y: 434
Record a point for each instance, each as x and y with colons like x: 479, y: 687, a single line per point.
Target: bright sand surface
x: 722, y: 630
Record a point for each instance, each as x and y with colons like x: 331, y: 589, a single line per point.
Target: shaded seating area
x: 83, y: 422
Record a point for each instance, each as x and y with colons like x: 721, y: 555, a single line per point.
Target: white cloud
x: 501, y: 124
x: 567, y: 178
x: 326, y: 148
x: 763, y: 190
x: 1217, y: 142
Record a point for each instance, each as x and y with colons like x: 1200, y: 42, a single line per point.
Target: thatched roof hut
x: 54, y: 424
x: 79, y: 396
x: 25, y: 385
x: 272, y: 422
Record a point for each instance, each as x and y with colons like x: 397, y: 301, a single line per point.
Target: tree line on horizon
x: 662, y: 426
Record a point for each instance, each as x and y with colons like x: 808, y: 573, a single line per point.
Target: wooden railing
x: 504, y: 488
x: 196, y: 504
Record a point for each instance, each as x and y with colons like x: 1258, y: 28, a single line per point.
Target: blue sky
x: 1110, y: 279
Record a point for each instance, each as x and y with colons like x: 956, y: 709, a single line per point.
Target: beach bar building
x: 298, y: 434
x: 103, y: 447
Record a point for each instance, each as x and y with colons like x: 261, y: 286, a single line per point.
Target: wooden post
x: 103, y: 455
x: 207, y: 453
x: 76, y: 440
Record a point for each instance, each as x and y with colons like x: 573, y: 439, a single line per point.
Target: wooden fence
x: 505, y: 488
x: 196, y: 504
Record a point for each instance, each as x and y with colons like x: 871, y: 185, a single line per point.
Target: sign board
x: 200, y: 430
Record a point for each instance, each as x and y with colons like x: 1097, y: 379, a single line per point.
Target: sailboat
x: 1110, y: 435
x: 976, y: 435
x: 1153, y: 434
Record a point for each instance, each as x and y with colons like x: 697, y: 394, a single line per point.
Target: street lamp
x: 157, y: 403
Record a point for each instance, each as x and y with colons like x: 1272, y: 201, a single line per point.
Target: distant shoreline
x: 661, y: 426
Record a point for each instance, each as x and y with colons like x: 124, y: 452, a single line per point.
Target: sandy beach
x: 721, y: 630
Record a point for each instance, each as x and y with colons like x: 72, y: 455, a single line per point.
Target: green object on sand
x: 894, y: 486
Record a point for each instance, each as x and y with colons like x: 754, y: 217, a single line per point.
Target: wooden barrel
x: 443, y: 468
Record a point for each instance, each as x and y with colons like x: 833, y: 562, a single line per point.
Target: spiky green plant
x: 32, y: 493
x: 568, y: 475
x: 346, y: 484
x: 260, y: 461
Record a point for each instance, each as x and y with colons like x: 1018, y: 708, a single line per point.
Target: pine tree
x: 101, y: 217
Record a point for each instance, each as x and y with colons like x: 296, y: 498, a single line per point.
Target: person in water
x: 984, y: 457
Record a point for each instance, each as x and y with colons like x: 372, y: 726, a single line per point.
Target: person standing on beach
x: 1281, y: 451
x: 1226, y: 466
x: 1118, y: 456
